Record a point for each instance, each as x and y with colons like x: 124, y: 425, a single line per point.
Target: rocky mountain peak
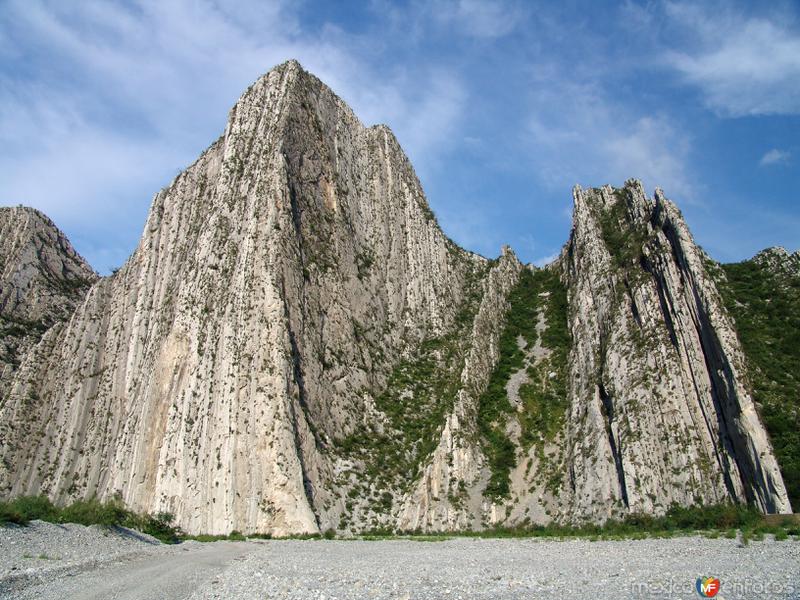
x: 641, y: 296
x: 779, y: 261
x: 36, y: 261
x: 42, y: 279
x: 295, y: 345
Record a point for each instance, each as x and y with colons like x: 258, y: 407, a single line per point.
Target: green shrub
x: 721, y: 516
x: 111, y: 513
x: 8, y: 514
x: 713, y: 520
x: 544, y: 400
x: 161, y: 527
x: 205, y: 537
x: 27, y: 508
x: 622, y: 239
x: 94, y: 512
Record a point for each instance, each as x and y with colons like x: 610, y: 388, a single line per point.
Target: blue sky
x: 501, y: 106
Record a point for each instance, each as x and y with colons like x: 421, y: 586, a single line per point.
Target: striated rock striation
x: 278, y: 280
x: 42, y: 279
x: 296, y: 346
x: 762, y: 295
x: 659, y: 409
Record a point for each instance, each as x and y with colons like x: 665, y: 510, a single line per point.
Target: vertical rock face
x: 763, y: 296
x: 42, y: 279
x: 295, y: 346
x: 277, y: 282
x: 448, y: 494
x: 659, y: 412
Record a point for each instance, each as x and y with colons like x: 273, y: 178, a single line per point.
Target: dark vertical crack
x: 297, y: 371
x: 616, y: 450
x: 666, y: 312
x: 722, y: 382
x: 634, y: 309
x: 726, y: 410
x: 308, y: 486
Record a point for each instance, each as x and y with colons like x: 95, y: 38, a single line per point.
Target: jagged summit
x: 295, y: 345
x: 27, y: 233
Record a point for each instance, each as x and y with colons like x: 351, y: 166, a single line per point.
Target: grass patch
x: 233, y: 536
x: 711, y: 521
x: 545, y: 397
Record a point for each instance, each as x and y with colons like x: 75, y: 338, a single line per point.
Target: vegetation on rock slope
x: 543, y: 397
x: 679, y: 520
x: 419, y: 393
x: 89, y: 512
x: 766, y: 308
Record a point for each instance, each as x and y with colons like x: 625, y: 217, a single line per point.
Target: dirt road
x: 174, y: 575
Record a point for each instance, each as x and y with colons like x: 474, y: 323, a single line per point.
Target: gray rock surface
x: 278, y: 281
x: 42, y: 279
x: 660, y: 413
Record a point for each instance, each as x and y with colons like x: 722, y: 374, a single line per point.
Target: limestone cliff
x: 42, y: 279
x: 763, y: 296
x: 295, y: 346
x: 278, y: 281
x: 659, y: 410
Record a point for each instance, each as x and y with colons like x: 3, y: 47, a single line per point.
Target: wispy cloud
x: 743, y: 65
x: 477, y: 17
x: 543, y: 261
x: 501, y: 106
x: 423, y: 107
x: 128, y: 94
x: 775, y: 157
x: 579, y: 135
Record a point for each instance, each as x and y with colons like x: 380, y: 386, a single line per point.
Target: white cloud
x: 135, y: 92
x: 578, y: 135
x: 477, y: 18
x: 543, y: 261
x: 423, y: 107
x: 742, y: 65
x: 775, y: 157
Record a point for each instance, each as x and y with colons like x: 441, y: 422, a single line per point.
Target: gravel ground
x: 169, y: 575
x: 510, y: 569
x: 43, y: 549
x: 88, y: 562
x: 65, y: 562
